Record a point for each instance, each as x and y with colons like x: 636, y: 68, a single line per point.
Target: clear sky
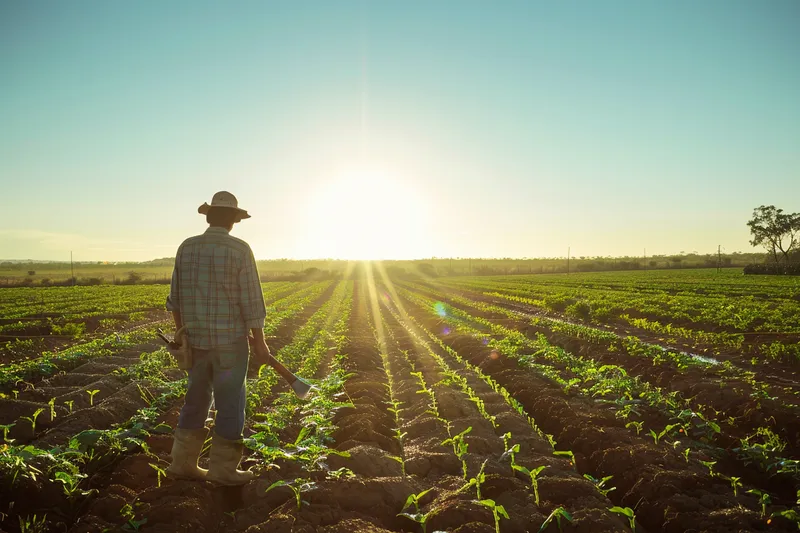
x: 396, y: 129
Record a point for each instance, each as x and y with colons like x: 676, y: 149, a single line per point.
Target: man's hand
x: 260, y: 349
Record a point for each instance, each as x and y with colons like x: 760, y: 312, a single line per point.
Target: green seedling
x: 567, y: 453
x: 91, y: 394
x: 628, y: 513
x: 401, y: 461
x: 710, y: 466
x: 667, y: 430
x: 686, y: 454
x: 789, y: 514
x: 763, y: 500
x: 636, y: 425
x: 52, y: 405
x: 341, y: 473
x: 160, y: 473
x: 512, y: 453
x: 476, y: 481
x: 600, y: 484
x: 533, y: 475
x: 297, y: 486
x: 417, y: 516
x: 69, y: 483
x: 16, y: 397
x: 131, y: 524
x: 557, y: 515
x: 506, y: 439
x: 736, y: 484
x: 497, y: 511
x: 6, y: 428
x: 33, y: 524
x: 32, y: 418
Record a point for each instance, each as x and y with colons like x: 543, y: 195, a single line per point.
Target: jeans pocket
x: 232, y: 355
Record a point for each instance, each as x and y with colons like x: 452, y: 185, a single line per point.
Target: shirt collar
x: 217, y: 230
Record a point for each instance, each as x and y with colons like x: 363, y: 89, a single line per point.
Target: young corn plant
x: 131, y: 524
x: 510, y: 451
x: 534, y: 477
x: 476, y: 481
x: 69, y: 404
x: 789, y: 514
x: 736, y: 484
x: 567, y: 453
x: 710, y: 466
x: 32, y: 418
x: 33, y: 524
x: 52, y: 405
x: 91, y: 394
x: 402, y: 463
x: 160, y: 473
x: 628, y: 513
x: 600, y: 484
x: 459, y: 447
x: 763, y: 500
x: 666, y: 431
x: 558, y: 514
x: 417, y: 516
x: 297, y: 486
x: 6, y: 428
x: 638, y: 426
x: 498, y: 511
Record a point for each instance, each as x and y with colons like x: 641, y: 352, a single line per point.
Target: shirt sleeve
x: 173, y: 303
x: 254, y: 310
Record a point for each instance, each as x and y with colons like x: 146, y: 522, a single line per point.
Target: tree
x: 775, y: 230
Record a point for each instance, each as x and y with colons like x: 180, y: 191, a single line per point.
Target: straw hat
x: 226, y: 200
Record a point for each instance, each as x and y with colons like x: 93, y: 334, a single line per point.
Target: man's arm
x: 251, y: 298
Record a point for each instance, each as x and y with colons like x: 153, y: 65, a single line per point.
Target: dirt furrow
x: 667, y: 493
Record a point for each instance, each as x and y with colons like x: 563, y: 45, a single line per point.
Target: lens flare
x: 446, y: 331
x: 440, y: 309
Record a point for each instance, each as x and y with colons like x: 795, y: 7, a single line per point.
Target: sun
x: 366, y: 213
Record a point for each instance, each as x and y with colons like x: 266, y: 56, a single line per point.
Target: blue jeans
x: 223, y: 370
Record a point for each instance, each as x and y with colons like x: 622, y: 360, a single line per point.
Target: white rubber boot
x: 186, y: 450
x: 225, y: 457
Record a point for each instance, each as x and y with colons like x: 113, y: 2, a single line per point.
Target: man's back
x: 215, y: 286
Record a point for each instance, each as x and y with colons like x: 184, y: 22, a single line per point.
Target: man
x: 216, y: 296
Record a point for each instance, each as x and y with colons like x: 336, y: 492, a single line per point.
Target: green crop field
x: 511, y: 402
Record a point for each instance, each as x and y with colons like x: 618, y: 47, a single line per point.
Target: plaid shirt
x: 216, y: 288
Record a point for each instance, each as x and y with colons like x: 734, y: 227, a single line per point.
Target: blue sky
x: 473, y: 128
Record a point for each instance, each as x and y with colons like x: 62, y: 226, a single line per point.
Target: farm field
x: 643, y: 401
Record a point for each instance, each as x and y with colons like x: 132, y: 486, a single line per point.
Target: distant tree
x: 31, y: 272
x: 775, y: 230
x: 653, y: 264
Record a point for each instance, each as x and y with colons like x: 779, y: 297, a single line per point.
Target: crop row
x: 751, y: 426
x: 699, y: 311
x: 158, y: 384
x: 543, y: 393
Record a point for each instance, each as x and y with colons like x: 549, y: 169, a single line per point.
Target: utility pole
x: 72, y: 268
x: 719, y: 258
x: 645, y: 259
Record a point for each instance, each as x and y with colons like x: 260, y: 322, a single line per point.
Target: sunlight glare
x: 367, y: 214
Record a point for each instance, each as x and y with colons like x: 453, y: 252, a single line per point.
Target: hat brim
x: 205, y: 208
